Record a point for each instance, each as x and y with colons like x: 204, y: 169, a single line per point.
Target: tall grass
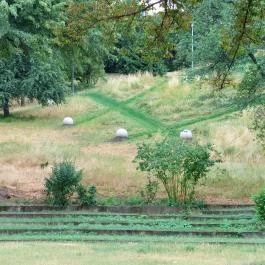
x: 122, y: 87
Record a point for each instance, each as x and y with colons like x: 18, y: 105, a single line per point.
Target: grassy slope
x: 146, y: 106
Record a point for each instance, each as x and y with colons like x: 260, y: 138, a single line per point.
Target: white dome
x: 68, y: 121
x: 186, y: 134
x: 50, y: 102
x: 122, y: 133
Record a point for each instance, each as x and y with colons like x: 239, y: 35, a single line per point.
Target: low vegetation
x: 132, y: 253
x: 178, y: 165
x: 43, y: 140
x: 259, y: 200
x: 65, y: 181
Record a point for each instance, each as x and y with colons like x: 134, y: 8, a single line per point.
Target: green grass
x: 143, y: 119
x: 132, y: 253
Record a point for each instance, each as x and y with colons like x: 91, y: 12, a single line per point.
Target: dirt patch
x: 9, y: 193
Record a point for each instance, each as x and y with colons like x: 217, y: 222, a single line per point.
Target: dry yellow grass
x: 73, y: 107
x: 241, y: 174
x: 122, y: 87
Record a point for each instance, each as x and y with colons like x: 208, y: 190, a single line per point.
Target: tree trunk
x: 22, y: 101
x: 5, y: 108
x: 73, y: 79
x: 254, y: 60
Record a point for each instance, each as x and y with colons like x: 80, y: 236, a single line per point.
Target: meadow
x: 148, y: 107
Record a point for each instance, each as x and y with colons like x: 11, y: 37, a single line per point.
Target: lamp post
x: 192, y: 47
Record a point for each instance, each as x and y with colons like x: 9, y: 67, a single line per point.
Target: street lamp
x: 192, y: 47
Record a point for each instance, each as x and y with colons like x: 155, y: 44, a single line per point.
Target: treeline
x: 47, y: 46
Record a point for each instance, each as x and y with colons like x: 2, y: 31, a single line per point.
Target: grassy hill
x: 148, y: 107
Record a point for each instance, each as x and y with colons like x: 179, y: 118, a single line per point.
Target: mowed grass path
x: 150, y: 123
x: 143, y: 119
x: 113, y: 253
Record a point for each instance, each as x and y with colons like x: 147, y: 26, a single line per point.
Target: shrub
x: 259, y: 200
x: 62, y: 183
x: 150, y: 190
x: 87, y: 195
x: 177, y: 165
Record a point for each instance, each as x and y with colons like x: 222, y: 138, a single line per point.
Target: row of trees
x: 46, y: 44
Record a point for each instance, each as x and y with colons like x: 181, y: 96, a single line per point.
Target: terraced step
x: 91, y: 214
x: 250, y: 234
x: 125, y: 223
x: 229, y: 206
x: 148, y: 209
x: 218, y: 217
x: 229, y: 212
x: 38, y: 222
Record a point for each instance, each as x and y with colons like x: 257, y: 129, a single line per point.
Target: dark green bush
x: 259, y: 200
x: 87, y: 195
x: 62, y: 183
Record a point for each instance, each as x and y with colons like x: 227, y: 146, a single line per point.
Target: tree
x: 82, y: 48
x: 48, y: 32
x: 122, y: 23
x: 130, y: 56
x: 28, y: 63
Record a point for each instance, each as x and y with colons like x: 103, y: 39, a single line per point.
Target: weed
x: 189, y: 249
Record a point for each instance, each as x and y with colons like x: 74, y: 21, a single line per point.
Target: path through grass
x: 143, y: 119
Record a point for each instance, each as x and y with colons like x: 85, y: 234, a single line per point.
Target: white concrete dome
x: 68, y: 121
x: 122, y: 133
x: 186, y: 135
x: 50, y: 102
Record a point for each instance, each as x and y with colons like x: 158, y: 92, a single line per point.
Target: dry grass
x: 109, y: 166
x: 242, y: 172
x: 73, y: 107
x: 130, y: 253
x: 37, y: 136
x: 122, y: 87
x: 179, y: 99
x: 24, y: 147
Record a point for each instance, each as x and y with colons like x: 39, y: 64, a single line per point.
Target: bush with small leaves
x: 177, y: 165
x: 87, y: 195
x: 62, y: 183
x: 259, y: 200
x: 148, y: 193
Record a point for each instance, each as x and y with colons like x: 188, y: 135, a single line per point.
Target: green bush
x: 87, y: 195
x: 148, y: 193
x: 259, y: 200
x: 62, y: 183
x: 177, y: 165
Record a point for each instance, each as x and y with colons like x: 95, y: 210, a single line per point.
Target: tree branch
x: 241, y: 36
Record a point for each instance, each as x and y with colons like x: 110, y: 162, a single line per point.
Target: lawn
x: 138, y: 253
